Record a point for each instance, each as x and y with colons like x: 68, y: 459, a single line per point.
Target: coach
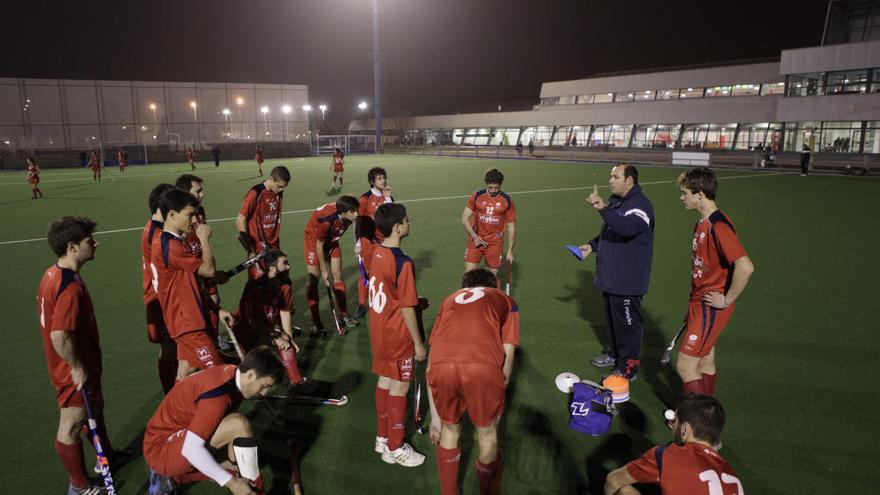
x: 623, y: 265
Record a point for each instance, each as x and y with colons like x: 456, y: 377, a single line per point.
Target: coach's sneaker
x: 348, y: 321
x: 381, y: 442
x: 604, y: 361
x: 361, y: 312
x: 93, y: 488
x: 161, y: 485
x: 405, y: 456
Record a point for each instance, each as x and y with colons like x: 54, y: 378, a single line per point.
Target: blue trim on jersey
x: 367, y: 194
x: 226, y: 389
x: 400, y: 258
x: 514, y: 309
x: 658, y: 458
x: 68, y: 277
x: 166, y: 248
x: 505, y: 196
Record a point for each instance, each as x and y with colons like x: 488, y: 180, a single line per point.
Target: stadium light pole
x: 155, y: 121
x: 226, y: 113
x: 377, y: 77
x: 323, y: 109
x: 308, y: 110
x: 284, y: 111
x: 265, y: 111
x: 196, y: 120
x: 240, y: 101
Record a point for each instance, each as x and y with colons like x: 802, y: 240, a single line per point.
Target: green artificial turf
x: 796, y: 371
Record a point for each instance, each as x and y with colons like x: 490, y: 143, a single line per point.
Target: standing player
x: 72, y: 344
x: 472, y: 347
x: 720, y: 271
x: 259, y: 219
x: 323, y: 256
x: 176, y: 272
x: 337, y: 166
x: 157, y: 333
x: 95, y: 165
x: 258, y: 156
x: 191, y: 157
x: 484, y: 218
x: 34, y: 178
x: 394, y: 334
x: 690, y: 464
x: 366, y: 234
x: 264, y: 313
x: 198, y: 419
x: 122, y: 159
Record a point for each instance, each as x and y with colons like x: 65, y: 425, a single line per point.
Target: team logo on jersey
x: 692, y: 338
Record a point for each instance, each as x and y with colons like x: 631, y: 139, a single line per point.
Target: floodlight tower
x: 284, y: 111
x: 377, y: 77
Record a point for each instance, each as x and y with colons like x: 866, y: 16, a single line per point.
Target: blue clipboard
x: 576, y: 251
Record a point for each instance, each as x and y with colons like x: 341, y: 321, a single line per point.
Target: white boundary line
x: 418, y: 200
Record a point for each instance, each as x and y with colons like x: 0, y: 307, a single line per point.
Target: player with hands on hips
x: 487, y: 214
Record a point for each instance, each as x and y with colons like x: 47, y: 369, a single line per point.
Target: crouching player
x: 394, y: 334
x: 472, y: 347
x: 264, y: 313
x: 196, y: 424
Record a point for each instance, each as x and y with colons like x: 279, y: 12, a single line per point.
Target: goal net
x: 348, y: 143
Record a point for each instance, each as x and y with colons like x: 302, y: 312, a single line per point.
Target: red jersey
x: 33, y: 173
x: 691, y: 468
x: 94, y: 164
x: 152, y: 230
x: 262, y: 208
x: 175, y: 266
x: 192, y: 239
x: 261, y: 302
x: 491, y: 214
x: 197, y: 404
x: 369, y: 202
x: 715, y: 247
x: 326, y: 225
x: 120, y: 156
x: 338, y: 159
x: 63, y: 303
x: 258, y: 154
x: 190, y: 155
x: 392, y: 287
x: 473, y: 325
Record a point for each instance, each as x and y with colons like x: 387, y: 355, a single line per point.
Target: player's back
x: 326, y: 224
x: 151, y: 231
x: 696, y: 469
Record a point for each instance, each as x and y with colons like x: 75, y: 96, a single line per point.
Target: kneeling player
x: 196, y: 423
x: 690, y: 464
x: 264, y: 313
x: 472, y: 346
x: 394, y: 334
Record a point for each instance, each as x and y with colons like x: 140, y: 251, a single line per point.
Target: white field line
x: 418, y: 200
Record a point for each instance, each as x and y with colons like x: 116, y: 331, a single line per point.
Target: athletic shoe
x: 604, y: 361
x: 405, y: 456
x: 631, y: 377
x: 161, y: 485
x: 381, y: 442
x: 361, y: 312
x: 319, y: 331
x: 348, y: 321
x: 92, y: 488
x: 120, y: 458
x: 224, y: 344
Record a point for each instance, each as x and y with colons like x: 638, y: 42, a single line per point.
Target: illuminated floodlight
x: 154, y: 137
x: 322, y: 107
x: 239, y: 101
x: 153, y: 106
x: 307, y: 108
x: 192, y: 104
x: 362, y: 105
x: 264, y: 109
x: 5, y: 142
x: 143, y: 128
x: 123, y: 128
x: 226, y: 112
x: 286, y: 109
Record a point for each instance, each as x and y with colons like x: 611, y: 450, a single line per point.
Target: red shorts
x: 157, y: 332
x: 401, y: 370
x: 492, y: 253
x: 259, y: 159
x: 310, y: 251
x: 198, y: 349
x: 68, y: 396
x: 95, y: 168
x: 338, y: 168
x: 165, y: 457
x: 33, y: 180
x: 704, y: 326
x: 475, y: 388
x: 122, y: 163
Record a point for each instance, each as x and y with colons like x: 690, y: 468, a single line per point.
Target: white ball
x: 669, y: 414
x: 564, y: 381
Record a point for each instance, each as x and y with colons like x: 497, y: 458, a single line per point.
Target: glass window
x: 872, y: 137
x: 550, y: 101
x: 840, y: 137
x: 623, y: 97
x: 768, y: 89
x: 745, y: 90
x: 844, y: 82
x: 567, y: 100
x: 644, y: 136
x: 611, y: 135
x: 717, y: 91
x: 603, y: 98
x: 758, y: 135
x: 667, y: 94
x: 585, y: 99
x: 645, y: 95
x: 692, y: 93
x: 805, y: 84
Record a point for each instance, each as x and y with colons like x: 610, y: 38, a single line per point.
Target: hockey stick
x: 99, y: 449
x: 310, y: 399
x: 339, y: 330
x: 363, y: 271
x: 666, y: 354
x: 507, y: 277
x: 417, y: 399
x: 244, y: 265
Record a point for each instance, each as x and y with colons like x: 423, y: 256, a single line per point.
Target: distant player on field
x: 34, y: 178
x: 720, y: 272
x: 72, y: 344
x: 157, y: 333
x: 366, y: 234
x: 259, y: 219
x: 690, y: 464
x: 487, y: 213
x: 323, y: 256
x: 122, y: 159
x: 176, y: 271
x: 337, y: 166
x: 258, y: 156
x: 197, y: 422
x: 395, y: 341
x: 472, y: 347
x: 95, y: 165
x: 191, y: 157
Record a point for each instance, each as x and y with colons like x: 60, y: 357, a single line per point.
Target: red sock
x: 167, y: 373
x: 693, y: 386
x: 709, y: 383
x: 489, y: 476
x: 382, y: 412
x: 312, y: 300
x: 396, y: 420
x: 362, y: 295
x: 74, y: 463
x: 291, y: 367
x: 334, y: 179
x: 340, y: 181
x: 448, y: 461
x: 339, y: 293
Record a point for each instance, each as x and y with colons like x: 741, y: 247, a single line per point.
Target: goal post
x: 348, y: 143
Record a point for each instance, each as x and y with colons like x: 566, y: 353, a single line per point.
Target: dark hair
x: 704, y: 414
x: 280, y: 173
x: 493, y: 176
x: 346, y: 203
x: 66, y: 230
x: 264, y: 360
x: 185, y: 181
x: 387, y: 216
x: 699, y: 180
x: 176, y: 199
x: 157, y: 193
x: 478, y: 277
x: 375, y: 172
x: 272, y: 256
x: 629, y: 171
x: 30, y: 159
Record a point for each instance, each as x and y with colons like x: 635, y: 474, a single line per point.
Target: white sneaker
x: 405, y: 456
x: 381, y: 442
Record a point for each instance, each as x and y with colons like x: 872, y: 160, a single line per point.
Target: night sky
x: 441, y: 56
